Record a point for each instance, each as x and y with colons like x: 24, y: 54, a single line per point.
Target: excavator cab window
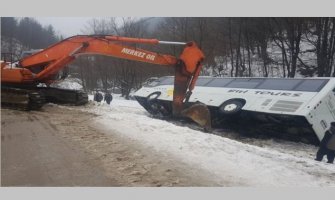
x: 28, y: 53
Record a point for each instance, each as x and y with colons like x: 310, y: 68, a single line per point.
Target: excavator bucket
x: 200, y: 114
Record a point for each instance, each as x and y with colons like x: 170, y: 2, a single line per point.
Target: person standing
x: 108, y: 98
x: 98, y: 97
x: 331, y: 145
x: 327, y: 145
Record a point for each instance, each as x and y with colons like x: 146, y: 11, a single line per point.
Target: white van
x: 303, y: 105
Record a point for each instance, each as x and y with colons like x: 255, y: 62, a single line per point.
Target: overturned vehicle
x: 294, y: 109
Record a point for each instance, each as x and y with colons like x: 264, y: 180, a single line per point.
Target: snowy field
x: 252, y: 163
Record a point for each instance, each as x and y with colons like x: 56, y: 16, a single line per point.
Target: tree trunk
x: 231, y: 50
x: 238, y: 51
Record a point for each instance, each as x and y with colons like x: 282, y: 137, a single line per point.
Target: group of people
x: 98, y: 97
x: 327, y: 145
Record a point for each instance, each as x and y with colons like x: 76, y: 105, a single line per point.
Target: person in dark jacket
x: 98, y: 97
x: 327, y: 145
x: 108, y: 98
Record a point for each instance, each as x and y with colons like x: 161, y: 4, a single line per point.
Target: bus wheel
x: 231, y: 106
x: 154, y: 106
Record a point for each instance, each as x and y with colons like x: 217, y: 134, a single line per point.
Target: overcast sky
x: 67, y: 26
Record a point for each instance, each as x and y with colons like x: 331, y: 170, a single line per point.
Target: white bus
x: 300, y: 106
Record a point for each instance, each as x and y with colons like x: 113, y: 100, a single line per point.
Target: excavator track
x: 21, y: 99
x: 35, y: 98
x: 65, y: 96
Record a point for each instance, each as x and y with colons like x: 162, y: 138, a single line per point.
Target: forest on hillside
x: 24, y: 34
x: 238, y: 47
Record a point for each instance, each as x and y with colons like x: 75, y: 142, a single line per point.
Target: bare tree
x: 325, y: 46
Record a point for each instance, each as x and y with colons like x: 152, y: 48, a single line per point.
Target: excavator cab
x: 30, y: 52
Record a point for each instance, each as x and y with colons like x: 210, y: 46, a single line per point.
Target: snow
x: 68, y: 83
x: 273, y: 163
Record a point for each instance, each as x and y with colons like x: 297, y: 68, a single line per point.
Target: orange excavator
x: 20, y: 84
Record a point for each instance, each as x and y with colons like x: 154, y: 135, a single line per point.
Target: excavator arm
x: 41, y: 67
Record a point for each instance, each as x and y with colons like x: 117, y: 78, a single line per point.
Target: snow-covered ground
x: 252, y: 163
x: 68, y: 83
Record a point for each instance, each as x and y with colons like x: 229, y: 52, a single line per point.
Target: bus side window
x: 202, y: 81
x: 219, y: 82
x: 311, y: 85
x: 279, y: 84
x: 245, y: 83
x: 166, y: 81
